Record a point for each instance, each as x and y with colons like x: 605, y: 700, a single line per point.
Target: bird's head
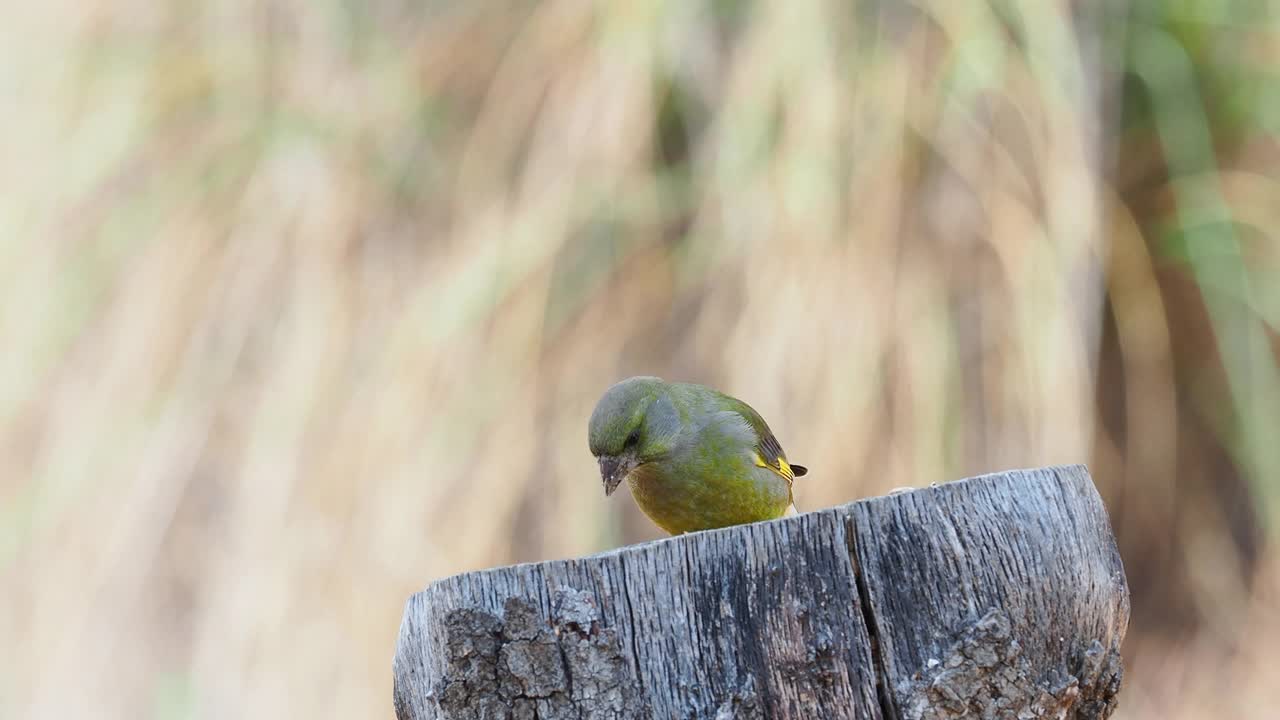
x: 634, y: 423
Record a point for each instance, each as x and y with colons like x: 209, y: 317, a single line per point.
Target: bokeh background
x: 304, y: 304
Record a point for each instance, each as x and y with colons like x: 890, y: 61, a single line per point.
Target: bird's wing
x: 769, y: 452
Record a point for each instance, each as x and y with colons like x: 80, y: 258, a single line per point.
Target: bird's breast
x: 681, y: 498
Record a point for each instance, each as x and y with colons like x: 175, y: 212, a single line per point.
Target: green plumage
x: 695, y: 458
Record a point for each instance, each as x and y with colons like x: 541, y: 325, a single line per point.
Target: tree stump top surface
x: 998, y: 596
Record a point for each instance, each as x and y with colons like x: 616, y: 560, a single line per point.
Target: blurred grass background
x: 306, y: 303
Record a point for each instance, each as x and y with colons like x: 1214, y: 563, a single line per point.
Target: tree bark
x: 1000, y: 596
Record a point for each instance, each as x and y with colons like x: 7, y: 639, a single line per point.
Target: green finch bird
x: 695, y: 458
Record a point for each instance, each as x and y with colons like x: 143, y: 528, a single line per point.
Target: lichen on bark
x: 521, y: 667
x: 986, y: 675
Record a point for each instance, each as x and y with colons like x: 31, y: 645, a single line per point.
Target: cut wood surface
x: 1000, y: 596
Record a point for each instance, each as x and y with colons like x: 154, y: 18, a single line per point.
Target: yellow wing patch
x: 786, y: 467
x: 783, y: 468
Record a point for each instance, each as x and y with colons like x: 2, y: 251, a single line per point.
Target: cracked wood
x: 999, y: 596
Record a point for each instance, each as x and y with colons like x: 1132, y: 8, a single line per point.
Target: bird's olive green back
x: 767, y: 446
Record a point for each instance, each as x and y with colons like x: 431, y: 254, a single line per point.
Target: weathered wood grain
x: 1000, y: 596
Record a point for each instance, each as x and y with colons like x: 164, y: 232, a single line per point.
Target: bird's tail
x: 791, y: 510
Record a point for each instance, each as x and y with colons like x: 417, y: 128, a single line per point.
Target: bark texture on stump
x: 1000, y: 596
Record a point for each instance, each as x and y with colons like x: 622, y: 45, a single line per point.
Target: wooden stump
x: 1001, y: 596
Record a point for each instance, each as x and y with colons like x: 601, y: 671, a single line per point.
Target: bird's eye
x: 633, y: 438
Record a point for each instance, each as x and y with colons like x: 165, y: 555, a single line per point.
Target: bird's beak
x: 613, y: 468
